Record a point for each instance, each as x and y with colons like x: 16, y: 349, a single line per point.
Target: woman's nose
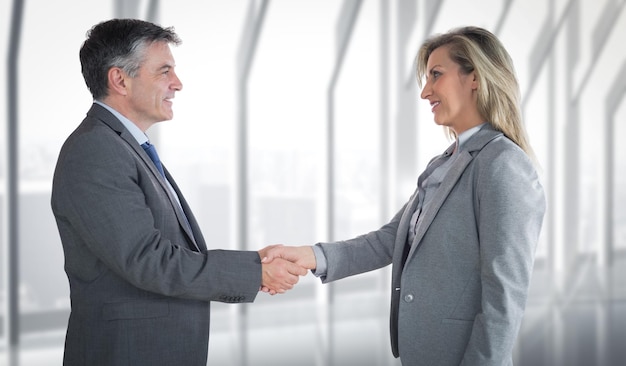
x: 425, y: 91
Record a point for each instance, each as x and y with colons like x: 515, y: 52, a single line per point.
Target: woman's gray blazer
x: 459, y: 297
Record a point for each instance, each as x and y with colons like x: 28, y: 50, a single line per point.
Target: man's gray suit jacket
x: 140, y: 282
x: 458, y: 292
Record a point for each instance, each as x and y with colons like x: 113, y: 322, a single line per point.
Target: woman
x: 463, y: 246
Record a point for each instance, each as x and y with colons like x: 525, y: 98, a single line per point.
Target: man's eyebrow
x: 166, y: 66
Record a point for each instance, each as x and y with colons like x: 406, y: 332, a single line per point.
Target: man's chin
x: 167, y: 117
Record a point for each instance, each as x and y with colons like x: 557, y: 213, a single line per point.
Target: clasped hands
x: 282, y: 266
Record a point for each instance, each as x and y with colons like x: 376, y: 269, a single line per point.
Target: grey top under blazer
x: 460, y: 296
x: 140, y: 283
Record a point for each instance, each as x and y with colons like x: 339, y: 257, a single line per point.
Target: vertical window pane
x: 53, y: 99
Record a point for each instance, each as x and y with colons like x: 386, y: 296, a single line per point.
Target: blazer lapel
x: 449, y: 181
x: 465, y: 156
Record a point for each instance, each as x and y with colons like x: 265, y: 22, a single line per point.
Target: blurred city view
x: 300, y: 121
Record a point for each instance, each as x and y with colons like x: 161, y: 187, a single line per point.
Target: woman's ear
x: 474, y: 81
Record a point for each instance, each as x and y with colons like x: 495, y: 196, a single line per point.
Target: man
x: 141, y: 277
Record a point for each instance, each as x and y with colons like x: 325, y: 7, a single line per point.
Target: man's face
x: 150, y: 93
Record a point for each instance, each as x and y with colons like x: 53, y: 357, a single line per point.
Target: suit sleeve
x: 99, y: 201
x: 509, y: 204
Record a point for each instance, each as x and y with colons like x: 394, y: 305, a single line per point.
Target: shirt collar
x: 465, y: 135
x: 137, y: 133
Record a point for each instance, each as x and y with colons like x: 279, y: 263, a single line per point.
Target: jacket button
x: 408, y: 298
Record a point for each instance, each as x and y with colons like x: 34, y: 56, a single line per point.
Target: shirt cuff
x: 320, y: 259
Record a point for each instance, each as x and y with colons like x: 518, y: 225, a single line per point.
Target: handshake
x: 282, y: 265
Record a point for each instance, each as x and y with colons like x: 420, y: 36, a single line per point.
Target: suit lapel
x: 130, y: 140
x: 109, y: 119
x: 183, y: 213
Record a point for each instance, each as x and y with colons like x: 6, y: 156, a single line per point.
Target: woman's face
x: 451, y: 93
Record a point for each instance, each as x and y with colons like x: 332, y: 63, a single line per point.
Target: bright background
x: 299, y: 122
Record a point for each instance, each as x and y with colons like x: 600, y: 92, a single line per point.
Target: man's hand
x: 279, y: 275
x: 301, y: 257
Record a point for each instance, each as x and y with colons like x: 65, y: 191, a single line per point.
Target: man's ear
x: 117, y: 81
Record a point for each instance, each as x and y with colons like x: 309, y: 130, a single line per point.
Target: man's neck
x: 121, y: 107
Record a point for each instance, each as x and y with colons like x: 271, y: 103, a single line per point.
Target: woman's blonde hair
x: 476, y: 49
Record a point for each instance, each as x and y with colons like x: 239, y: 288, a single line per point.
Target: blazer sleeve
x: 509, y: 203
x: 104, y: 216
x: 364, y: 253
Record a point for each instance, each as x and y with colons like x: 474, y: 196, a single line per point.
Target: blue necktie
x: 152, y: 153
